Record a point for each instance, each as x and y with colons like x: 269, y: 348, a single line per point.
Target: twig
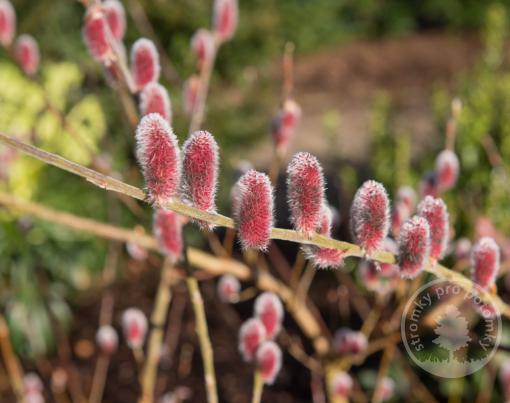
x: 258, y: 386
x: 158, y: 317
x: 305, y: 282
x: 12, y: 364
x: 203, y: 333
x: 99, y: 380
x: 389, y: 352
x: 198, y: 113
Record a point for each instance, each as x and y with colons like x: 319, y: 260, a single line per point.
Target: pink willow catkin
x: 324, y: 257
x: 251, y: 334
x: 107, y: 339
x: 370, y: 217
x: 253, y: 209
x: 167, y: 228
x: 435, y: 212
x: 305, y: 192
x: 269, y: 309
x: 269, y: 361
x: 95, y: 34
x: 154, y: 99
x: 228, y: 288
x: 225, y: 18
x: 413, y: 246
x: 284, y: 124
x: 26, y: 52
x: 158, y: 154
x: 202, y: 45
x: 134, y: 327
x: 145, y: 66
x: 116, y: 18
x: 200, y: 171
x: 447, y: 169
x: 7, y: 23
x: 485, y: 262
x: 190, y: 94
x: 341, y: 385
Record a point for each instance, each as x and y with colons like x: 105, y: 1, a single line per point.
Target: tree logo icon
x: 452, y: 331
x: 444, y: 331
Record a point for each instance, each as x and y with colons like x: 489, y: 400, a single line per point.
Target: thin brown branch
x: 202, y: 330
x: 14, y: 370
x: 198, y: 113
x: 158, y: 318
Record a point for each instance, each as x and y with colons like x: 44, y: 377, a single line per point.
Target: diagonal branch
x: 109, y: 183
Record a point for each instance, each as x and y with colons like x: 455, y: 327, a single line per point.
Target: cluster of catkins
x: 25, y: 49
x: 257, y: 335
x: 341, y: 387
x: 204, y: 45
x: 103, y: 32
x: 134, y: 328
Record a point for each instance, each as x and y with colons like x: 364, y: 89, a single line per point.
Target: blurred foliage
x: 37, y: 260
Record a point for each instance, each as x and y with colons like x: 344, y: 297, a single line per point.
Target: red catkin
x: 269, y: 361
x: 413, y: 246
x: 154, y: 99
x: 190, y: 94
x: 341, y: 385
x: 324, y: 257
x: 305, y: 192
x: 380, y: 278
x: 116, y: 17
x: 202, y: 45
x: 228, y: 288
x: 347, y: 341
x: 225, y: 17
x: 284, y: 125
x: 134, y: 326
x: 251, y: 334
x: 95, y: 34
x: 167, y: 228
x: 485, y: 262
x: 407, y: 196
x: 399, y: 214
x: 435, y: 212
x: 387, y: 389
x: 447, y: 169
x: 145, y: 67
x: 26, y: 52
x: 253, y: 210
x: 32, y: 383
x: 107, y: 339
x: 200, y: 171
x: 269, y: 309
x: 370, y: 217
x: 463, y: 249
x: 158, y: 155
x: 7, y: 23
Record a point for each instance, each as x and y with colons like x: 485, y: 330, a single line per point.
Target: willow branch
x: 198, y: 113
x: 158, y: 317
x: 203, y: 333
x: 349, y: 249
